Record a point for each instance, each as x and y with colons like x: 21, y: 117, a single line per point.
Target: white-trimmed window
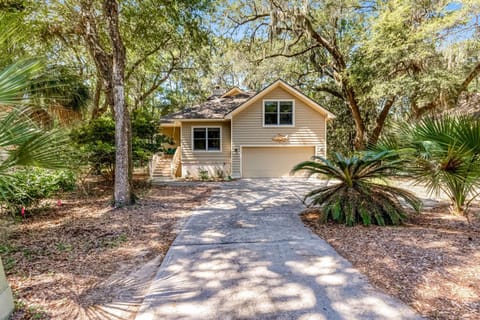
x: 278, y: 113
x: 207, y: 139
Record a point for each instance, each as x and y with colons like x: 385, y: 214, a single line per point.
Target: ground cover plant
x: 32, y: 185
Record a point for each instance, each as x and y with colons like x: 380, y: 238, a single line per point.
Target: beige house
x: 246, y: 134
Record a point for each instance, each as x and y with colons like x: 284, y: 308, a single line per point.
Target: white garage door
x: 271, y: 162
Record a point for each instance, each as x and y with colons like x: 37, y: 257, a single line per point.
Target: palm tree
x: 22, y: 141
x: 358, y: 196
x: 443, y: 154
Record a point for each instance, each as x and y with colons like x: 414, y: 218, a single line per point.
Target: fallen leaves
x: 432, y: 263
x: 59, y: 260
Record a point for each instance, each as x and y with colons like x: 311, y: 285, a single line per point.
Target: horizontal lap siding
x: 193, y: 157
x: 247, y: 128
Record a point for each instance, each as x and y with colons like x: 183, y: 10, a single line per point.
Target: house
x: 246, y: 134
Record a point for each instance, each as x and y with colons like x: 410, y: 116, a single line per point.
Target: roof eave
x: 199, y: 120
x: 291, y: 90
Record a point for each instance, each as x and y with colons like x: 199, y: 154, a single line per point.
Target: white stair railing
x: 152, y: 164
x: 177, y: 156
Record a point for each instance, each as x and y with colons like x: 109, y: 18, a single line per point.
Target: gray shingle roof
x: 216, y: 107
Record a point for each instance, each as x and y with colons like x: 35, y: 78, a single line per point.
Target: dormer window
x: 278, y: 113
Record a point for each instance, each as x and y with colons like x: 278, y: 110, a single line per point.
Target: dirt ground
x: 85, y: 260
x: 432, y: 263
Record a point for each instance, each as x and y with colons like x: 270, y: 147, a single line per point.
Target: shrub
x: 33, y: 185
x: 358, y: 197
x: 219, y: 173
x: 96, y: 142
x: 443, y: 154
x: 203, y: 174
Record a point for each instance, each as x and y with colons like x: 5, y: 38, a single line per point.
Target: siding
x: 247, y: 128
x: 190, y: 157
x: 172, y: 132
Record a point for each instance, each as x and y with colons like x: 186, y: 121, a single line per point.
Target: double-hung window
x: 206, y: 139
x: 277, y: 113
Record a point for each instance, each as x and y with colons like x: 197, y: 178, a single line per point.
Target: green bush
x: 358, y: 197
x: 33, y: 185
x: 96, y: 142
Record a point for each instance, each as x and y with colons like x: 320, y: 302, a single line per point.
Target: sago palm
x: 357, y: 195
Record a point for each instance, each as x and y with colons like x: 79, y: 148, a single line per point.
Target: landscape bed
x: 432, y: 263
x: 76, y: 261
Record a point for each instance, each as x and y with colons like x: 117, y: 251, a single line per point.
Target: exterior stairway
x: 164, y: 167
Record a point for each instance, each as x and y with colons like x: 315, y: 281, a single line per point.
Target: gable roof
x: 235, y: 101
x: 232, y: 92
x: 293, y: 91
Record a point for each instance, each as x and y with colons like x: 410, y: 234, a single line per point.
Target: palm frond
x: 443, y: 154
x: 357, y: 198
x: 16, y: 79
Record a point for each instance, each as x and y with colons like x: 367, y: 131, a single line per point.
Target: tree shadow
x: 86, y: 260
x: 245, y: 254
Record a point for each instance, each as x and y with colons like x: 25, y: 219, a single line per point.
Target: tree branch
x: 288, y: 55
x: 380, y: 122
x: 332, y: 91
x: 144, y: 57
x: 472, y: 75
x: 158, y: 81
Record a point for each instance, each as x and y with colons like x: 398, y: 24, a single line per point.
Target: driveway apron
x: 245, y: 254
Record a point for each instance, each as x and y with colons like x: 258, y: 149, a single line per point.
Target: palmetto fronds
x: 449, y: 161
x: 16, y: 80
x: 443, y: 154
x: 22, y: 143
x: 358, y: 196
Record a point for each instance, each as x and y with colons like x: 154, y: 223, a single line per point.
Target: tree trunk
x: 382, y: 117
x: 98, y: 110
x: 359, y: 141
x: 122, y: 185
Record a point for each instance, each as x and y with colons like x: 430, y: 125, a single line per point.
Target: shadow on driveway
x: 246, y: 255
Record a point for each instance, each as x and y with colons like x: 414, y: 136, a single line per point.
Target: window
x: 206, y: 139
x: 278, y: 113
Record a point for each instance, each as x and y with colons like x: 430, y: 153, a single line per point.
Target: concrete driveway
x: 246, y: 255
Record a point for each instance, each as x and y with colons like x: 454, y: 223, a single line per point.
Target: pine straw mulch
x: 76, y: 261
x: 432, y: 263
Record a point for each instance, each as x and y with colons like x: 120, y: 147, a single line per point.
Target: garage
x: 272, y: 162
